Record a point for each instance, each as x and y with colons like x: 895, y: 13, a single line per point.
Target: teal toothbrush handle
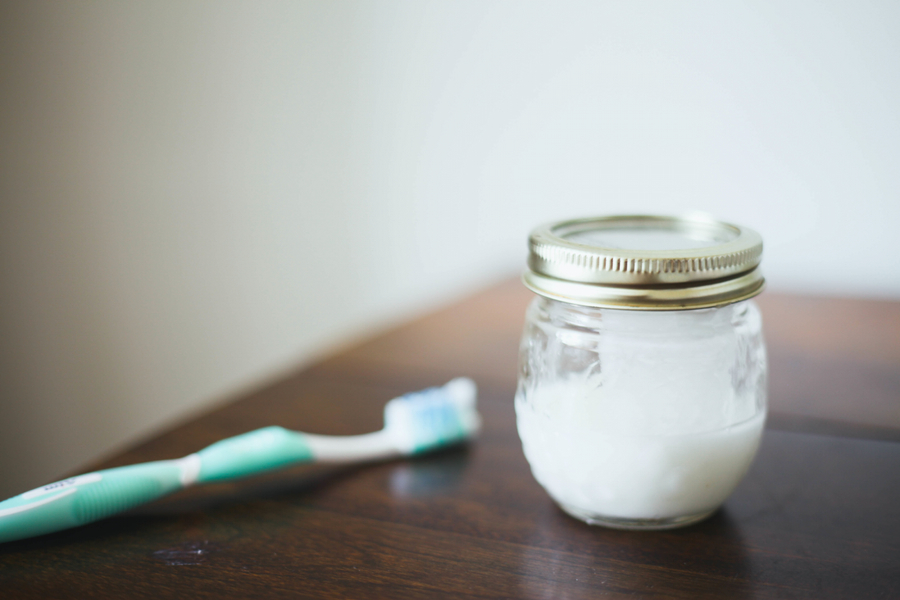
x: 261, y: 450
x: 86, y: 498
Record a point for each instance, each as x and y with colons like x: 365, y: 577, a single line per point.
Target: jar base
x: 635, y: 524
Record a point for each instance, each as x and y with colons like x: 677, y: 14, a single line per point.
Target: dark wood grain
x: 817, y: 517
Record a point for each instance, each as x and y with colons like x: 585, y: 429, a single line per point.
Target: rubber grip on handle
x: 86, y: 498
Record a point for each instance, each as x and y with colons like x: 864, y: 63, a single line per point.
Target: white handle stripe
x: 24, y: 507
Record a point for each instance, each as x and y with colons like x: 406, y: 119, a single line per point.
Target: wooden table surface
x: 818, y: 516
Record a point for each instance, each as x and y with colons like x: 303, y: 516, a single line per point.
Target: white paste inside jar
x: 588, y: 465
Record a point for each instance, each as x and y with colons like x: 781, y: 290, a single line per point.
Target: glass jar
x: 642, y: 373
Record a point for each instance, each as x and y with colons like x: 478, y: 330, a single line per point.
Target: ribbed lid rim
x: 563, y: 265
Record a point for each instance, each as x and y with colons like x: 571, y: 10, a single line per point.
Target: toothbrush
x: 414, y: 423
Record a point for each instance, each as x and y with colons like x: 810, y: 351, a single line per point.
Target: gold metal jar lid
x: 642, y: 262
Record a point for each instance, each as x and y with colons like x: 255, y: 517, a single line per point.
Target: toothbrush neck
x: 349, y: 448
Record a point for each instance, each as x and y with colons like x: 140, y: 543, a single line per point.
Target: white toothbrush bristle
x: 435, y: 417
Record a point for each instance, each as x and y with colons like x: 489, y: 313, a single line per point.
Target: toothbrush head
x: 433, y: 418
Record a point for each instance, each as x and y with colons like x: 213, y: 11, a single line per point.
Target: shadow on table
x: 570, y: 559
x: 422, y: 478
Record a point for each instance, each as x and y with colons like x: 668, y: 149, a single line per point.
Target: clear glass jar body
x: 640, y: 419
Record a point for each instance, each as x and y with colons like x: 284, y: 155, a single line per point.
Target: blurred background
x: 196, y: 196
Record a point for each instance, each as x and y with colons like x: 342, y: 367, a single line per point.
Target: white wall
x: 196, y: 195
